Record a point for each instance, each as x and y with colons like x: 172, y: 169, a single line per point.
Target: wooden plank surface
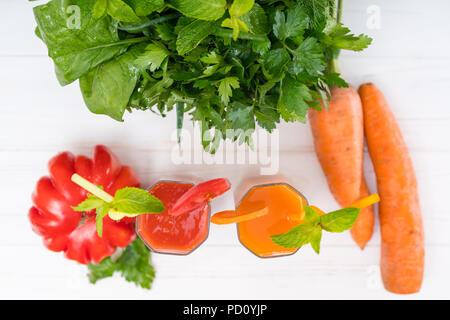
x: 409, y: 61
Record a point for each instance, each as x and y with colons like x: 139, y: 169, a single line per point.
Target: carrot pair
x: 338, y: 139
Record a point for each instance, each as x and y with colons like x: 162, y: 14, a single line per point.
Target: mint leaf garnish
x: 311, y: 230
x: 126, y: 202
x: 297, y: 236
x: 311, y: 215
x: 316, y: 236
x: 91, y: 203
x: 135, y: 201
x: 101, y: 213
x: 340, y: 220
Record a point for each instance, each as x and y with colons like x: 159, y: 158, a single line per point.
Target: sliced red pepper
x: 197, y: 196
x: 65, y: 230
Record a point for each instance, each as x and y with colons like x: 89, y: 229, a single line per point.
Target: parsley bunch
x: 228, y: 64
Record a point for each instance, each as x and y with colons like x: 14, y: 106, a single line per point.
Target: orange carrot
x: 402, y: 248
x: 338, y: 139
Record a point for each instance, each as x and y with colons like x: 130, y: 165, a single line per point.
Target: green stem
x: 180, y: 116
x: 333, y: 66
x: 227, y: 33
x: 150, y: 22
x: 122, y: 42
x: 340, y: 5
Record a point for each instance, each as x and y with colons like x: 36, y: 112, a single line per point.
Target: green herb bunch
x: 228, y: 64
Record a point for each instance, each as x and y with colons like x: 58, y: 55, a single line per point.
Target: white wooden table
x: 408, y: 60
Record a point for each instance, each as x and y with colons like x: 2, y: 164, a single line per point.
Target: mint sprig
x: 126, y: 201
x: 311, y: 230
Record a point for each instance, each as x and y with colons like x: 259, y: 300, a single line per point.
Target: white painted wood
x: 408, y: 60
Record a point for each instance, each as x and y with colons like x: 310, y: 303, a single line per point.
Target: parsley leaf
x: 275, y: 62
x: 153, y: 56
x: 294, y: 99
x: 134, y: 265
x: 338, y: 36
x: 308, y: 57
x: 226, y: 86
x: 242, y: 121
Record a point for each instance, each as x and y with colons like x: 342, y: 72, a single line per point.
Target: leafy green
x: 74, y: 50
x: 256, y: 20
x: 239, y: 7
x: 297, y: 236
x: 294, y: 99
x: 200, y: 9
x: 143, y: 8
x: 338, y: 36
x: 126, y: 201
x: 340, y: 220
x: 291, y: 26
x: 225, y: 64
x: 192, y: 34
x: 226, y: 86
x: 100, y: 8
x: 311, y: 230
x: 91, y: 203
x: 108, y: 88
x: 275, y: 62
x: 134, y: 265
x: 308, y: 57
x: 135, y: 200
x: 152, y: 57
x: 121, y: 11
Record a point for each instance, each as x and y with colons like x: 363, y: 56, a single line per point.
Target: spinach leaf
x: 200, y: 9
x: 145, y: 7
x: 121, y: 11
x: 193, y: 33
x: 76, y: 41
x: 108, y: 88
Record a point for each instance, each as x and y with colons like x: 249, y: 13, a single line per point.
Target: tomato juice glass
x: 164, y: 233
x: 285, y: 206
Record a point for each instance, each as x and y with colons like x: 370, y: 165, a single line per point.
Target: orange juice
x: 285, y: 205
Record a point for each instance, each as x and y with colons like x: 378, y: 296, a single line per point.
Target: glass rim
x: 175, y: 253
x: 245, y: 195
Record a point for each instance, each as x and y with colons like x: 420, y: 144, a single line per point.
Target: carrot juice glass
x: 164, y: 233
x: 285, y: 211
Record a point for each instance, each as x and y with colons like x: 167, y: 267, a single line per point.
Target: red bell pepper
x: 62, y: 228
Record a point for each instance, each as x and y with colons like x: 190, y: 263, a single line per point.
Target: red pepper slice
x: 197, y: 196
x: 65, y: 230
